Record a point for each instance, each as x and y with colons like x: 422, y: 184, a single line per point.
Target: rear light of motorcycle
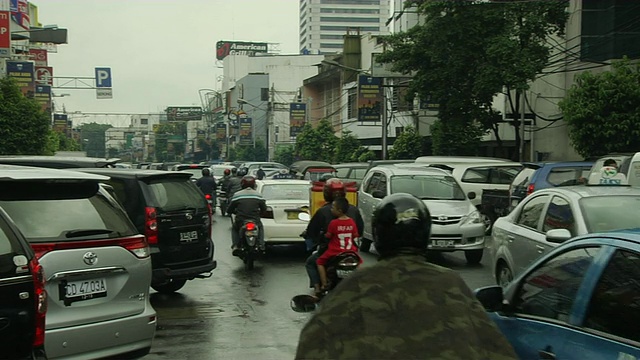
x: 251, y: 226
x: 530, y: 189
x: 136, y: 244
x: 267, y: 214
x: 349, y: 262
x: 40, y: 301
x: 151, y: 225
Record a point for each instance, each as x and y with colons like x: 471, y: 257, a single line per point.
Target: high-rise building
x: 323, y: 23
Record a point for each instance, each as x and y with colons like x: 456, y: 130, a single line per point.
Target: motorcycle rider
x: 224, y: 184
x: 207, y: 185
x: 403, y: 307
x: 234, y: 183
x: 247, y: 204
x: 319, y: 224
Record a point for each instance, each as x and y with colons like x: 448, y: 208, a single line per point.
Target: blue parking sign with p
x: 103, y: 77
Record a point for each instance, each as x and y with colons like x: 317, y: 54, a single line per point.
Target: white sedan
x: 285, y: 200
x: 549, y: 217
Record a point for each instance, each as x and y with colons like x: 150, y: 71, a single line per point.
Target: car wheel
x: 504, y: 275
x: 365, y: 245
x: 170, y: 286
x: 473, y: 256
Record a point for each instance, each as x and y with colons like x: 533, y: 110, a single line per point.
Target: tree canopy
x: 603, y: 110
x: 321, y: 144
x: 92, y: 136
x: 24, y: 128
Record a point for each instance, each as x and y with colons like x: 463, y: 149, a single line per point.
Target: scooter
x: 210, y: 200
x: 223, y: 202
x: 249, y: 240
x: 338, y: 268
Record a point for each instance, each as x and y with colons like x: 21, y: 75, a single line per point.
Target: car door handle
x: 547, y: 354
x: 540, y: 249
x: 511, y: 238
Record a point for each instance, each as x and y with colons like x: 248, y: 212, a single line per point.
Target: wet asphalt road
x: 238, y: 314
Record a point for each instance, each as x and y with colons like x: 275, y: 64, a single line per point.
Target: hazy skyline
x: 160, y: 52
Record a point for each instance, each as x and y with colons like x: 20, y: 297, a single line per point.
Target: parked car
x: 23, y: 298
x: 456, y: 223
x: 352, y: 172
x: 579, y: 301
x: 448, y: 160
x: 170, y: 210
x: 194, y: 169
x: 97, y: 265
x: 538, y: 176
x: 551, y: 216
x: 58, y: 162
x: 285, y: 200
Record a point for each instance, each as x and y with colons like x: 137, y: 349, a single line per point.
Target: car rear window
x: 175, y: 194
x: 607, y: 213
x: 358, y: 173
x: 567, y: 176
x: 45, y: 212
x: 286, y: 192
x: 524, y: 177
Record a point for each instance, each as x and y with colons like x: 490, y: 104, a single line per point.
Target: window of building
x: 144, y: 121
x: 331, y: 37
x: 349, y: 11
x: 352, y: 103
x: 331, y: 46
x: 349, y: 19
x: 610, y: 30
x: 351, y: 2
x: 264, y: 94
x: 344, y: 28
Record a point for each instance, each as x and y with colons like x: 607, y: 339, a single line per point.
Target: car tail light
x: 40, y: 301
x: 194, y: 166
x: 137, y: 245
x: 151, y: 225
x: 267, y: 214
x: 530, y: 189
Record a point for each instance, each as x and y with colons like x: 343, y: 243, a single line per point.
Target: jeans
x: 235, y: 233
x: 312, y: 269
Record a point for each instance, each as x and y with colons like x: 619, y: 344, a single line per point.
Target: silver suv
x: 97, y: 267
x: 456, y: 223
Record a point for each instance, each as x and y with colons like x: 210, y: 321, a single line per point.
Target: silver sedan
x: 549, y: 217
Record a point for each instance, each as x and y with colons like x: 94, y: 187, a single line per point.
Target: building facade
x: 323, y: 23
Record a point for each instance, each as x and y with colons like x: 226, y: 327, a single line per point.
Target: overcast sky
x: 161, y: 52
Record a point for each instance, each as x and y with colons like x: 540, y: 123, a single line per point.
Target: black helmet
x: 243, y: 171
x: 234, y: 170
x: 248, y: 181
x: 206, y: 172
x: 401, y: 223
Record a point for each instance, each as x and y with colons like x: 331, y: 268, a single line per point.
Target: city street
x: 237, y: 314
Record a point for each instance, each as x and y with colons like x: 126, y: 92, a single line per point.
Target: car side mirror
x: 471, y: 195
x: 304, y: 303
x: 491, y: 298
x: 378, y: 194
x: 558, y: 236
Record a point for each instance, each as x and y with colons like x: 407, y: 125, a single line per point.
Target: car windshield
x: 285, y: 192
x: 218, y: 171
x: 175, y: 194
x: 428, y: 187
x: 607, y: 213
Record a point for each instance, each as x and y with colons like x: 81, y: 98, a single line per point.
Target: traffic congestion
x: 114, y: 237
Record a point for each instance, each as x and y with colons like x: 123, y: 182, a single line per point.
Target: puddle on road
x: 206, y: 311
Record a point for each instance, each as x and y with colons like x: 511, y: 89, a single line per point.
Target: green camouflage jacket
x: 402, y: 308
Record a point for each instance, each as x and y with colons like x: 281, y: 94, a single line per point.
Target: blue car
x: 581, y: 301
x: 538, y: 176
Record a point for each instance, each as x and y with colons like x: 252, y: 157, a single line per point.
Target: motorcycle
x: 250, y: 243
x: 212, y: 206
x: 223, y: 202
x: 338, y: 268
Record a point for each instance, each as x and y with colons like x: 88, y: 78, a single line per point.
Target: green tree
x: 454, y: 138
x: 348, y: 149
x: 408, y: 145
x: 603, y: 110
x: 466, y: 52
x: 250, y: 152
x: 165, y: 149
x: 316, y: 143
x: 24, y: 127
x: 285, y: 155
x: 93, y: 139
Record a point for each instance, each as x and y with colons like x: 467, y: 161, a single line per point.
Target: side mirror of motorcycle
x: 304, y: 303
x: 304, y: 216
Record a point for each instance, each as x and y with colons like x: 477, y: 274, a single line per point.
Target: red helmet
x: 227, y: 172
x: 248, y: 181
x: 333, y: 188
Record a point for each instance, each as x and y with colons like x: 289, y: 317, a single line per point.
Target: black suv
x: 23, y: 298
x: 175, y: 217
x: 57, y: 162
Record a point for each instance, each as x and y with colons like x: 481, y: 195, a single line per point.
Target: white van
x: 447, y: 160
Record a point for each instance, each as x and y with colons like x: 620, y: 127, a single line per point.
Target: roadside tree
x: 408, y: 145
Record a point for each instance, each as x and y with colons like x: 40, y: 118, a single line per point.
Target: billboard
x: 43, y: 97
x: 297, y: 118
x: 39, y: 57
x: 20, y: 14
x: 23, y: 73
x: 60, y: 123
x: 225, y: 48
x: 246, y: 131
x: 5, y: 29
x: 44, y: 75
x: 221, y: 131
x: 370, y: 98
x: 184, y: 113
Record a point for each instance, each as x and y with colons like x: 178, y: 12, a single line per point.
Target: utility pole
x: 522, y: 103
x: 270, y: 116
x: 384, y: 120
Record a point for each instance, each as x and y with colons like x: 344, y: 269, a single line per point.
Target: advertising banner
x: 221, y: 131
x: 39, y: 57
x: 43, y: 96
x: 23, y: 73
x: 20, y: 13
x: 5, y: 29
x: 60, y: 123
x: 297, y: 118
x: 225, y: 48
x: 184, y: 113
x: 246, y: 130
x: 370, y: 98
x: 44, y: 75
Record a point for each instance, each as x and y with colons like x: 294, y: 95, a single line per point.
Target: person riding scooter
x: 234, y: 183
x: 246, y: 204
x: 207, y: 185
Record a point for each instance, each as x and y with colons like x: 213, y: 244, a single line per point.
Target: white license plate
x: 189, y: 236
x: 443, y: 243
x: 251, y: 233
x: 344, y: 273
x: 86, y: 289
